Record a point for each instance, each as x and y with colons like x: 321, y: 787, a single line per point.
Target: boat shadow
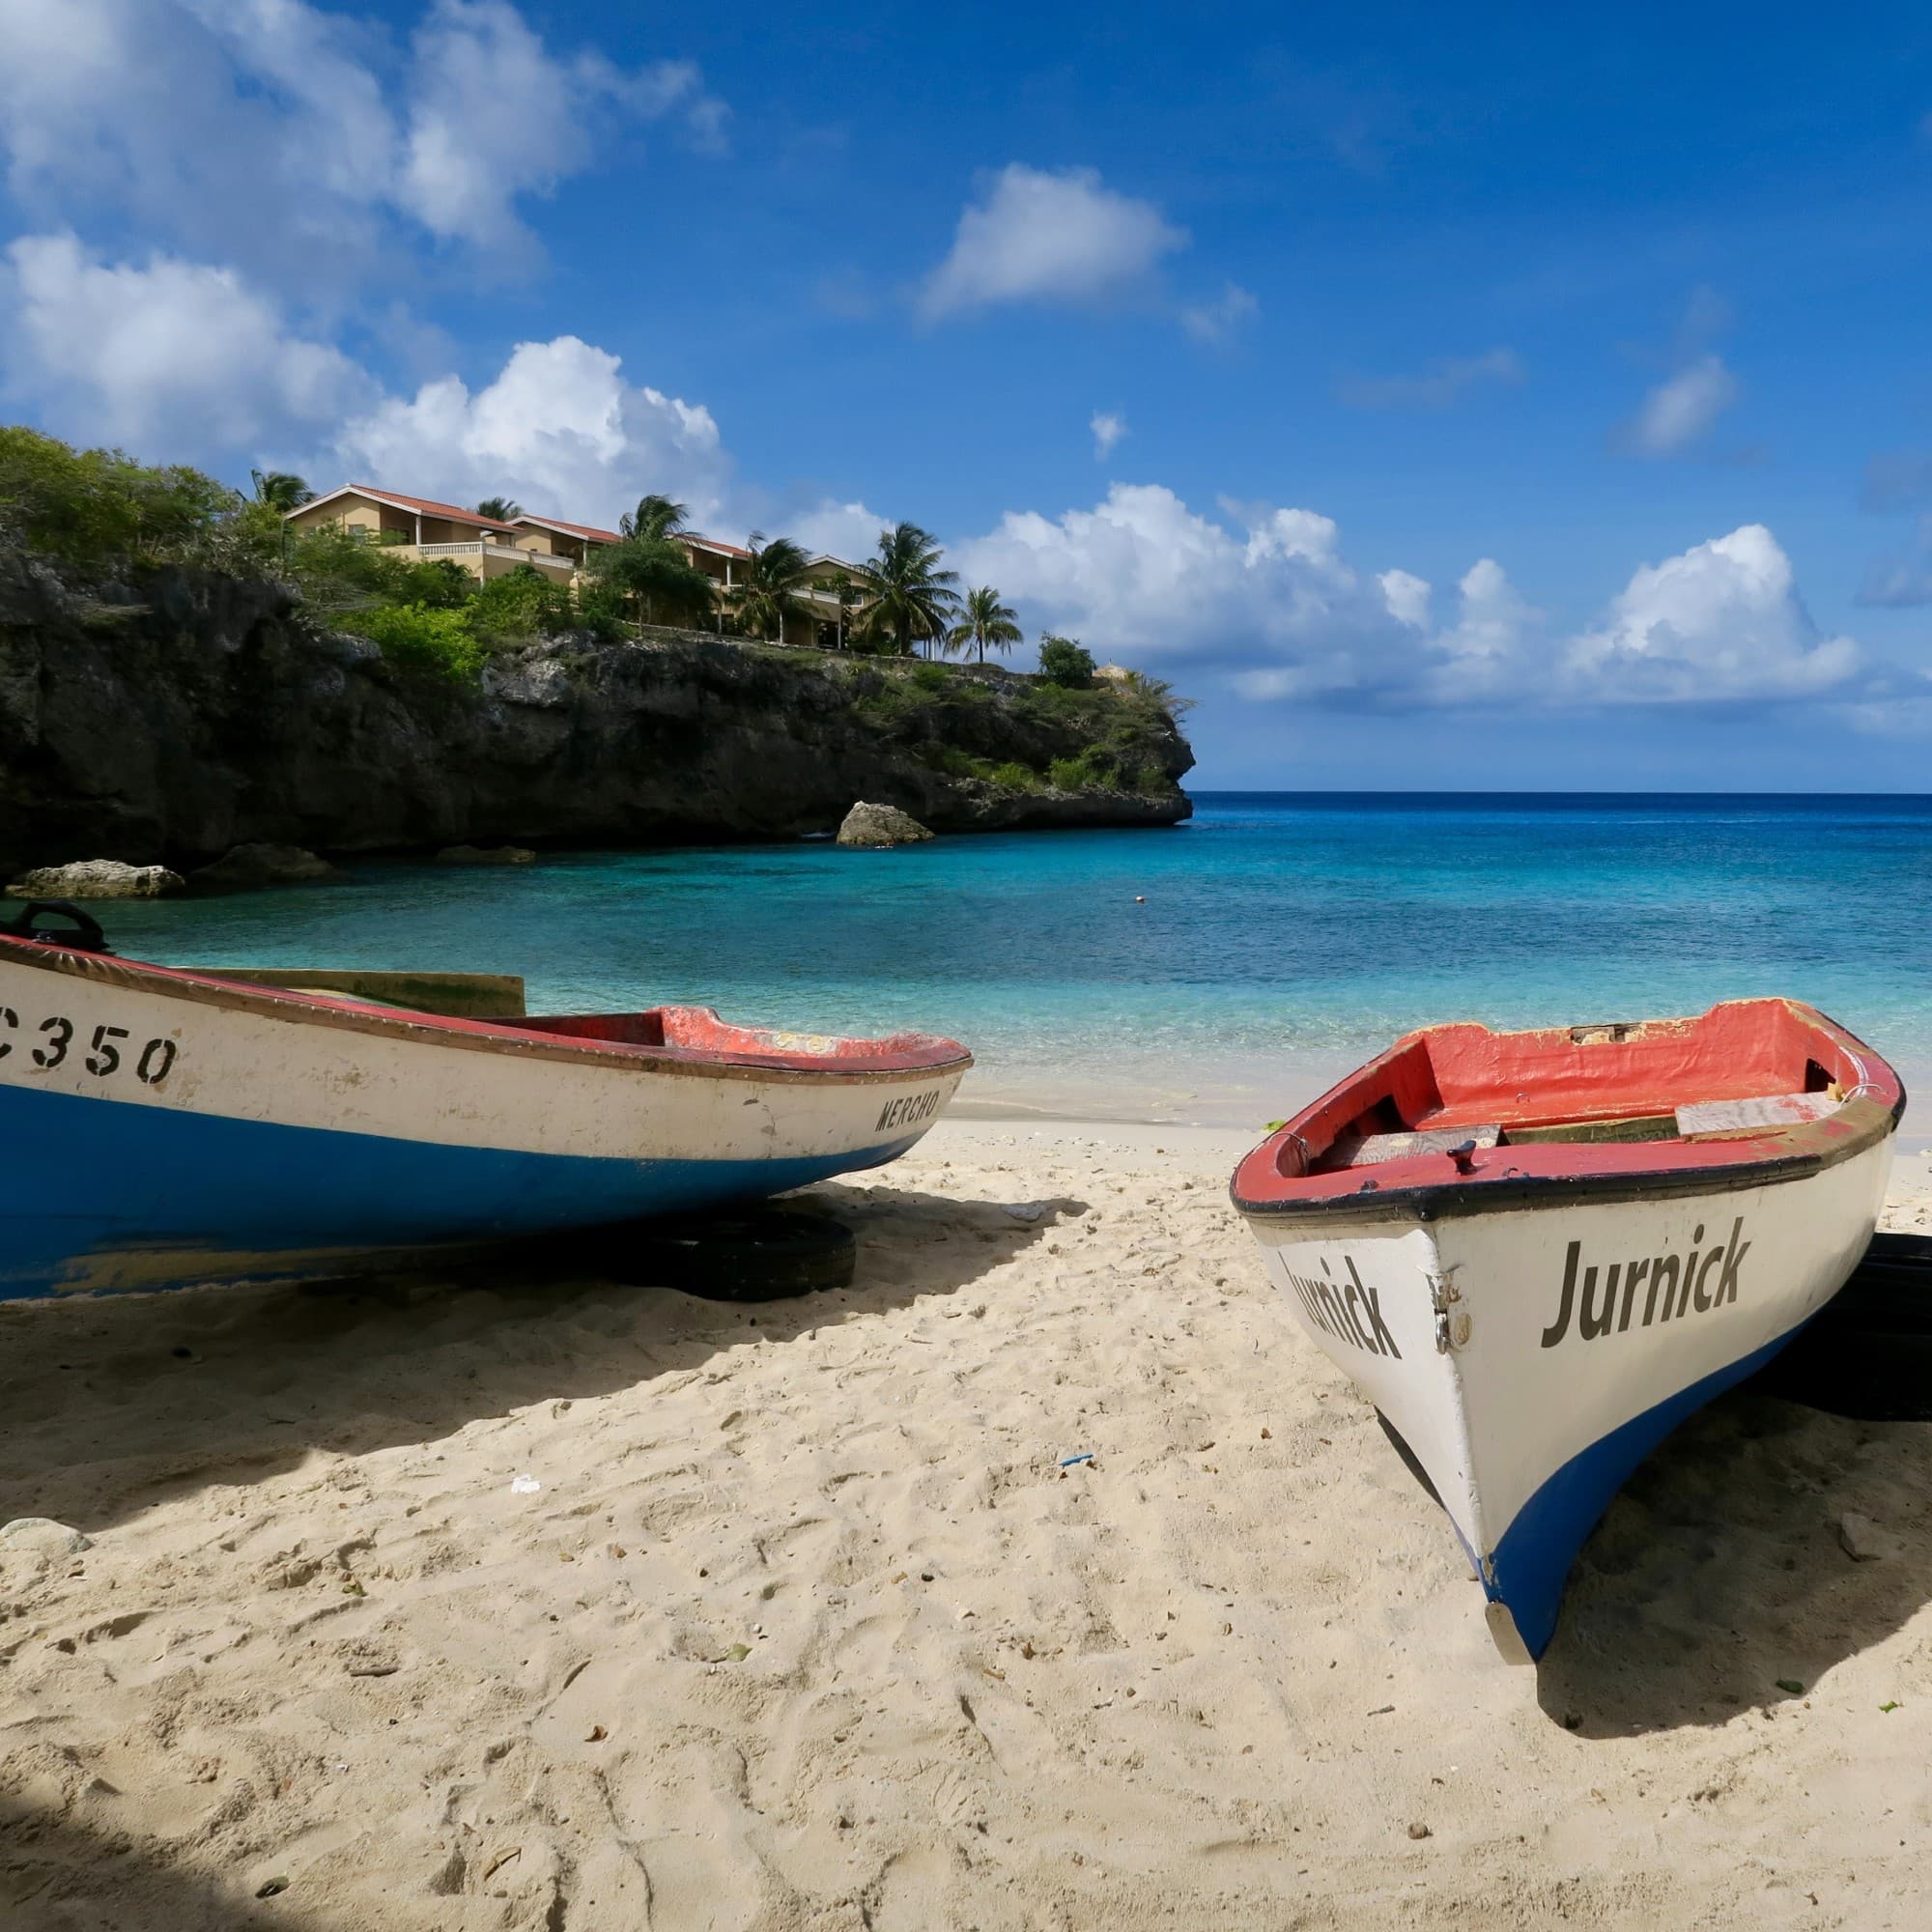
x: 61, y: 1869
x: 1720, y: 1578
x: 117, y: 1402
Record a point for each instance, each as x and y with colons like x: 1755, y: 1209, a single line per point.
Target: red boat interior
x: 1462, y: 1102
x: 699, y: 1031
x: 688, y: 1034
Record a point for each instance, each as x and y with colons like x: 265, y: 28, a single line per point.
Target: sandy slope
x: 807, y: 1626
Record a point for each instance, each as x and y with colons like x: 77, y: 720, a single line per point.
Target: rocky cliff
x: 174, y: 717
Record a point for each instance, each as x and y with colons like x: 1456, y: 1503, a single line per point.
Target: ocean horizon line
x: 1463, y: 796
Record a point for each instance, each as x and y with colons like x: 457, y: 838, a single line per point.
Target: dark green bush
x: 1064, y: 662
x: 1094, y: 769
x: 950, y: 759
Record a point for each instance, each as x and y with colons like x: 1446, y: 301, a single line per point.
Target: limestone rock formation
x: 877, y: 826
x: 96, y: 879
x: 171, y: 718
x: 486, y: 855
x: 244, y: 868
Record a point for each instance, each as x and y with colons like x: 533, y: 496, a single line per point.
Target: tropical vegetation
x: 279, y: 490
x: 97, y: 514
x: 987, y: 623
x: 775, y: 574
x: 910, y: 598
x: 500, y: 509
x: 654, y: 517
x: 651, y: 578
x: 1065, y: 662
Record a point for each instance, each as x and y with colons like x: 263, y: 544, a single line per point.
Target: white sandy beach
x: 809, y: 1627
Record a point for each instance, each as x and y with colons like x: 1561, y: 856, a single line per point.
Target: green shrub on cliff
x: 524, y: 604
x: 652, y: 578
x: 98, y: 510
x: 416, y: 638
x: 1063, y: 661
x: 1095, y: 769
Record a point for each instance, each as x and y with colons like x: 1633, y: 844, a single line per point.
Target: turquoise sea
x: 1283, y: 936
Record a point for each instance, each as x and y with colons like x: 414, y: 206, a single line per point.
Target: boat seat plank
x: 1631, y: 1128
x: 1372, y: 1149
x: 1706, y: 1119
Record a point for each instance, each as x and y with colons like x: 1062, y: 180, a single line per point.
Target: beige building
x: 573, y: 541
x: 417, y: 526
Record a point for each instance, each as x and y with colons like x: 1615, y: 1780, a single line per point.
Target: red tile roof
x: 453, y: 513
x: 594, y: 534
x: 712, y: 543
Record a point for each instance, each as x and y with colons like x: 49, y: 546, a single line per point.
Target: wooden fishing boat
x: 1537, y: 1252
x: 161, y: 1127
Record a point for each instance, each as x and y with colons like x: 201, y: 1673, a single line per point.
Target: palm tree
x: 773, y: 578
x: 654, y: 517
x: 988, y: 621
x: 500, y: 509
x: 280, y: 489
x: 912, y: 597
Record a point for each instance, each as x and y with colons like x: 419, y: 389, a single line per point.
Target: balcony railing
x: 536, y: 557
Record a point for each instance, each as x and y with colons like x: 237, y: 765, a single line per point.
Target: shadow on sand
x: 1719, y: 1569
x: 56, y: 1871
x: 115, y: 1403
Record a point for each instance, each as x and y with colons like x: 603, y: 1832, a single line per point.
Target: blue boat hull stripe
x: 1528, y: 1567
x: 96, y: 1194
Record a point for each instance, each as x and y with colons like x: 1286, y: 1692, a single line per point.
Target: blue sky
x: 1541, y: 399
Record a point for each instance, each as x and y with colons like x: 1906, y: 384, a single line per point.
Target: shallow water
x: 1283, y: 936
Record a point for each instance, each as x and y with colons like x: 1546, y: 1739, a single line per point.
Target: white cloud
x: 493, y: 116
x: 1722, y: 621
x: 559, y: 429
x: 1276, y: 608
x: 1040, y: 235
x: 170, y: 352
x: 1108, y: 427
x: 282, y: 138
x: 1143, y: 573
x: 850, y: 531
x: 1437, y: 386
x: 1406, y: 597
x: 1216, y: 321
x: 1678, y: 411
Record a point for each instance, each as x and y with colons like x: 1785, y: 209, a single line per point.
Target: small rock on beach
x: 42, y: 1536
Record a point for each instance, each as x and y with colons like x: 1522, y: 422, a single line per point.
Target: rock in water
x: 244, y: 868
x: 880, y: 825
x: 96, y: 879
x: 42, y: 1536
x: 486, y: 855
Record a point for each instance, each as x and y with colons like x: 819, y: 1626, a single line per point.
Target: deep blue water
x: 1283, y: 936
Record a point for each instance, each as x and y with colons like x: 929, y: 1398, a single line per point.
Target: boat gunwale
x: 931, y: 1056
x: 1766, y: 1157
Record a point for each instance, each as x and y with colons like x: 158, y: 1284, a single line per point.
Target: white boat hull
x: 1531, y: 1358
x: 161, y: 1128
